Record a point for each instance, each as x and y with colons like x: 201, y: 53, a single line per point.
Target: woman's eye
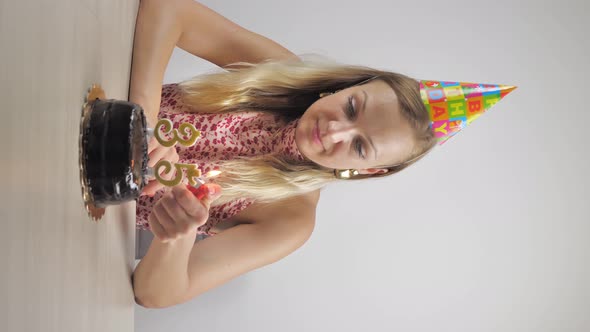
x: 359, y: 149
x: 351, y: 112
x: 350, y: 108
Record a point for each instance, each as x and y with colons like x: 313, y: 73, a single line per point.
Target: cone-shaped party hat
x: 454, y: 105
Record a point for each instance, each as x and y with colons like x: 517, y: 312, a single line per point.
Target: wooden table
x: 60, y: 270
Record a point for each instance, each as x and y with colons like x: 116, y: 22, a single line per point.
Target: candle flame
x: 211, y: 174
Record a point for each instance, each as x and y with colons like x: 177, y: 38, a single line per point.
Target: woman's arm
x: 176, y: 272
x: 163, y: 271
x: 212, y: 37
x: 162, y: 25
x: 156, y: 32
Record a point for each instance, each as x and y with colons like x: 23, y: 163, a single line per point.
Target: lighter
x: 199, y: 190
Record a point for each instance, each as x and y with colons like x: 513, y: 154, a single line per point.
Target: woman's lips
x: 316, y: 135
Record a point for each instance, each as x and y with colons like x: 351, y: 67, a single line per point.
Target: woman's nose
x: 339, y: 131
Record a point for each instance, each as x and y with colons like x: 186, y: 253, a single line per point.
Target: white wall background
x: 488, y: 233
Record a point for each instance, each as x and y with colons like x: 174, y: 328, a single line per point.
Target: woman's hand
x: 179, y: 213
x: 157, y: 152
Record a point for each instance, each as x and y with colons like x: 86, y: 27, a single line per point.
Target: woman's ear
x: 372, y: 171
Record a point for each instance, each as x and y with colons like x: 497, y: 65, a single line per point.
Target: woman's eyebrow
x: 365, y: 100
x: 363, y: 108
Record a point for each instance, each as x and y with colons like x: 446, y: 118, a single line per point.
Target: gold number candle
x: 192, y: 172
x: 185, y: 128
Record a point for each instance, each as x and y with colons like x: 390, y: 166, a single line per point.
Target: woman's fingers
x: 152, y: 187
x: 179, y: 212
x: 156, y: 155
x: 157, y: 152
x: 182, y: 221
x: 172, y: 155
x: 188, y: 202
x: 156, y: 227
x: 166, y: 221
x: 152, y: 144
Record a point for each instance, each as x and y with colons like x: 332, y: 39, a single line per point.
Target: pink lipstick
x: 316, y: 135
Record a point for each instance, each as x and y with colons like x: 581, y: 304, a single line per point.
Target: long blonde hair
x: 287, y: 88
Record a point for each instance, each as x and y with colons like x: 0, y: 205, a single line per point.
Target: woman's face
x: 370, y: 132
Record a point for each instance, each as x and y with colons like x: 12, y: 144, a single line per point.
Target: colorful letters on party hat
x: 454, y: 105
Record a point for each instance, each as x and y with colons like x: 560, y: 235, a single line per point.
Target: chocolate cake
x: 113, y: 152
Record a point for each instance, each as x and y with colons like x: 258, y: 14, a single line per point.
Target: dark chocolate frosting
x: 115, y: 151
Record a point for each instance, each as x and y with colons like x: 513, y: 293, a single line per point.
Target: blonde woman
x: 278, y: 127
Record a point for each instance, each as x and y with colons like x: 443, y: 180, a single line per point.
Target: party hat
x: 454, y: 105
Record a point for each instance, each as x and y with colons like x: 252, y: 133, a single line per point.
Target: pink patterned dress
x: 223, y: 136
